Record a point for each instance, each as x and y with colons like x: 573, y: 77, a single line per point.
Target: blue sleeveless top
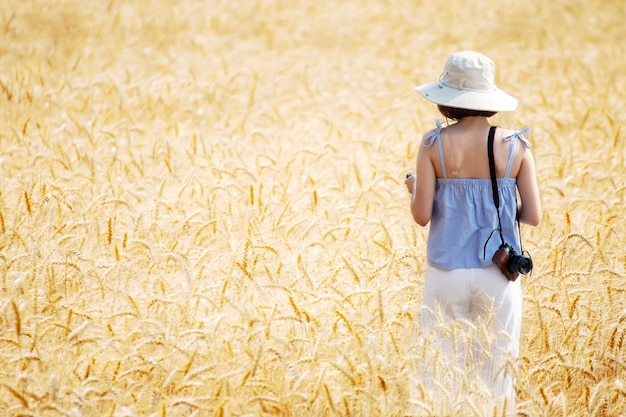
x: 464, y: 215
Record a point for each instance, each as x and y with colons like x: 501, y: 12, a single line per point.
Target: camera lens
x: 521, y: 264
x: 525, y: 265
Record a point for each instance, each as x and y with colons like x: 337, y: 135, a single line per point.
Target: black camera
x: 511, y: 263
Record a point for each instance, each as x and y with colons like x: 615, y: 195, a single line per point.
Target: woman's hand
x: 410, y: 182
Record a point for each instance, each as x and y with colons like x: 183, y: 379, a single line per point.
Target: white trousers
x: 469, y: 336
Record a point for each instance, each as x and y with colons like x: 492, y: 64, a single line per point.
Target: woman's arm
x: 529, y: 208
x: 422, y: 187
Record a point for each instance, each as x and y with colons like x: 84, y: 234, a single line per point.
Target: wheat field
x: 203, y: 211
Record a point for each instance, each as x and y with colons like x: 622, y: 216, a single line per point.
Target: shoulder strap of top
x: 430, y: 139
x: 518, y: 135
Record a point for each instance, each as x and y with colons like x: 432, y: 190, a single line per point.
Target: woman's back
x: 464, y: 147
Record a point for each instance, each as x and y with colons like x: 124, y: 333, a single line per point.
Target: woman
x: 452, y: 190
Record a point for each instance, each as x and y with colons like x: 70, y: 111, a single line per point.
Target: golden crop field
x: 203, y: 210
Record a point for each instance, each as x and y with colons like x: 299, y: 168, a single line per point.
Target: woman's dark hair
x: 457, y: 114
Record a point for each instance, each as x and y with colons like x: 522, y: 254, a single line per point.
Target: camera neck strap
x: 494, y: 181
x: 494, y: 189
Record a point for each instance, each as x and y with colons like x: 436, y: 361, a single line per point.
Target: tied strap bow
x: 520, y: 136
x: 430, y: 138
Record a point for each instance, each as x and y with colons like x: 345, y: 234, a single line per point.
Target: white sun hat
x: 467, y: 82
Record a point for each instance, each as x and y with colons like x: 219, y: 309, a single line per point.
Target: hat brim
x: 439, y: 93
